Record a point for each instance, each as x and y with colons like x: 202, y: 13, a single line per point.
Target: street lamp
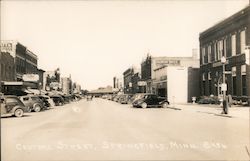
x: 224, y: 86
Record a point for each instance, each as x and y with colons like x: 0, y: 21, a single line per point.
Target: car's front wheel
x: 37, y: 107
x: 144, y: 105
x: 18, y: 112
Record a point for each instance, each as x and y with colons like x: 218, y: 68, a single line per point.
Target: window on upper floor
x: 220, y: 49
x: 209, y: 53
x: 203, y: 53
x: 233, y: 41
x: 242, y: 41
x: 215, y: 51
x: 225, y: 47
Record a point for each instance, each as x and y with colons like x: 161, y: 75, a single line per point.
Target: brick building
x: 229, y: 38
x: 7, y: 68
x: 25, y: 60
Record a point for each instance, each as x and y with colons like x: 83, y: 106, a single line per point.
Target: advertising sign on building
x: 9, y: 47
x: 167, y: 62
x: 54, y: 85
x: 142, y: 83
x: 30, y: 77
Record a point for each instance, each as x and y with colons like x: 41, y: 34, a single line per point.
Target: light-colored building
x: 177, y: 83
x: 150, y: 64
x: 66, y: 84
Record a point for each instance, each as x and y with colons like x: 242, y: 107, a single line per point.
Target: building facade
x: 66, y: 85
x: 127, y: 78
x: 229, y: 38
x: 150, y: 65
x: 51, y: 80
x: 7, y: 68
x: 25, y: 60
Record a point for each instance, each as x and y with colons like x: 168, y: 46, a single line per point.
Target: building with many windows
x: 7, y: 68
x: 25, y: 60
x: 229, y: 38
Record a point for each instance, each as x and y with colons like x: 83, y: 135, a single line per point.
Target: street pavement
x: 105, y: 130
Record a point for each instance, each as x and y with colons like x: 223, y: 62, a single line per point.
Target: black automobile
x: 151, y: 100
x: 45, y: 101
x: 66, y: 98
x: 58, y: 100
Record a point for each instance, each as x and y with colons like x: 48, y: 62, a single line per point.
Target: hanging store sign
x: 142, y: 83
x: 30, y: 77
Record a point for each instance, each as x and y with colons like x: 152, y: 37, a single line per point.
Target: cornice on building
x: 221, y: 24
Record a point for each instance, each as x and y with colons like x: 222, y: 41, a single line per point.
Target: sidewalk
x: 233, y: 112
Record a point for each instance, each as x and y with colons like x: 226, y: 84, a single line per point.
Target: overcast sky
x: 95, y: 40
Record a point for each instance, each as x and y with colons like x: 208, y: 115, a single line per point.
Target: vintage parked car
x: 34, y: 103
x: 11, y: 105
x: 89, y: 97
x: 138, y: 96
x: 66, y: 98
x: 45, y: 100
x: 151, y: 100
x: 58, y: 100
x: 125, y: 98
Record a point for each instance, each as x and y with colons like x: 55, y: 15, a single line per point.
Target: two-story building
x: 229, y: 38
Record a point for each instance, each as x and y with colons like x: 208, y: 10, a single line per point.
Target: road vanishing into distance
x: 105, y: 130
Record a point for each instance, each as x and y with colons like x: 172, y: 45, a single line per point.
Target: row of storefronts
x: 20, y: 75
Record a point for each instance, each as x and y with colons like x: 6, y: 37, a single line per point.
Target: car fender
x: 164, y: 101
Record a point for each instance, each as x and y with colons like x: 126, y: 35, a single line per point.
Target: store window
x: 243, y: 80
x: 233, y: 39
x: 203, y: 84
x: 234, y: 83
x: 209, y: 83
x: 242, y: 41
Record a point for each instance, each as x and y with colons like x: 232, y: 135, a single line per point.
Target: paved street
x: 106, y: 130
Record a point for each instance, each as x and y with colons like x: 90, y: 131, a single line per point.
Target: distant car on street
x: 11, y: 105
x: 151, y: 100
x: 89, y: 97
x: 34, y: 103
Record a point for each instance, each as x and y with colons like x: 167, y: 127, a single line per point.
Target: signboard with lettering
x: 167, y: 62
x: 142, y: 83
x: 9, y: 47
x: 30, y: 77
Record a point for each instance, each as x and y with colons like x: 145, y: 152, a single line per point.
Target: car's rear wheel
x: 165, y: 105
x: 37, y: 107
x: 18, y: 112
x: 144, y: 105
